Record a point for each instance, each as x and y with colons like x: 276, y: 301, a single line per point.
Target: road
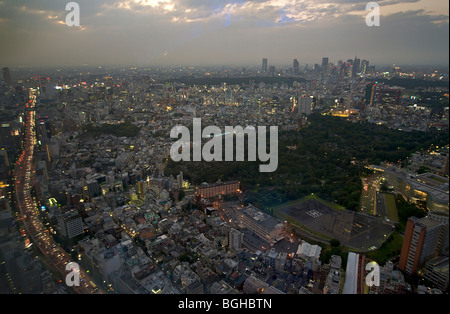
x: 29, y: 212
x: 368, y: 196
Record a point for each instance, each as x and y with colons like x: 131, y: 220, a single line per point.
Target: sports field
x: 352, y: 229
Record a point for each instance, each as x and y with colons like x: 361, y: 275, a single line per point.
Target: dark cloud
x: 216, y: 32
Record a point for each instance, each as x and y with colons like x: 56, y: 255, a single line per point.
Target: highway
x: 24, y: 172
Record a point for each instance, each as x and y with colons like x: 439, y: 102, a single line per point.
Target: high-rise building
x: 264, y: 65
x: 296, y: 66
x: 355, y: 66
x: 324, y: 65
x: 364, y: 66
x: 272, y: 70
x: 71, y: 225
x: 142, y: 188
x: 423, y: 239
x: 180, y: 180
x: 7, y: 76
x: 219, y: 188
x: 235, y: 239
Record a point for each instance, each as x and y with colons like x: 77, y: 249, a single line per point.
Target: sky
x: 221, y: 32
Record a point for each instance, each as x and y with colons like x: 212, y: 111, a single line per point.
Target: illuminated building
x: 218, y: 189
x: 9, y: 138
x: 429, y: 188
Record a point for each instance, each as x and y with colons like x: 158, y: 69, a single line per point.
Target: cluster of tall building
x: 348, y: 68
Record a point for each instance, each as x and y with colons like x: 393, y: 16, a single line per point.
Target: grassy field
x: 391, y: 208
x: 391, y: 248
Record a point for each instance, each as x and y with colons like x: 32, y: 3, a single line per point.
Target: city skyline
x: 170, y: 32
x: 135, y: 159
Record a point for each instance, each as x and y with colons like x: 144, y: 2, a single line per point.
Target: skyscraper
x: 296, y: 66
x: 324, y: 64
x: 272, y: 70
x: 364, y: 66
x: 264, y: 65
x: 7, y: 76
x: 423, y: 239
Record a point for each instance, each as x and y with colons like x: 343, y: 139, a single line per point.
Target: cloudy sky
x: 191, y: 32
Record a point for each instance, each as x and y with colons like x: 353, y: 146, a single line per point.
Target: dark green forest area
x: 126, y: 129
x: 329, y: 161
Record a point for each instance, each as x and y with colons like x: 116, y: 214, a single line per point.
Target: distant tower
x: 180, y: 180
x: 355, y: 66
x: 296, y: 66
x: 7, y: 76
x: 364, y: 66
x: 324, y: 64
x: 305, y: 105
x: 272, y: 70
x: 264, y: 65
x: 423, y: 239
